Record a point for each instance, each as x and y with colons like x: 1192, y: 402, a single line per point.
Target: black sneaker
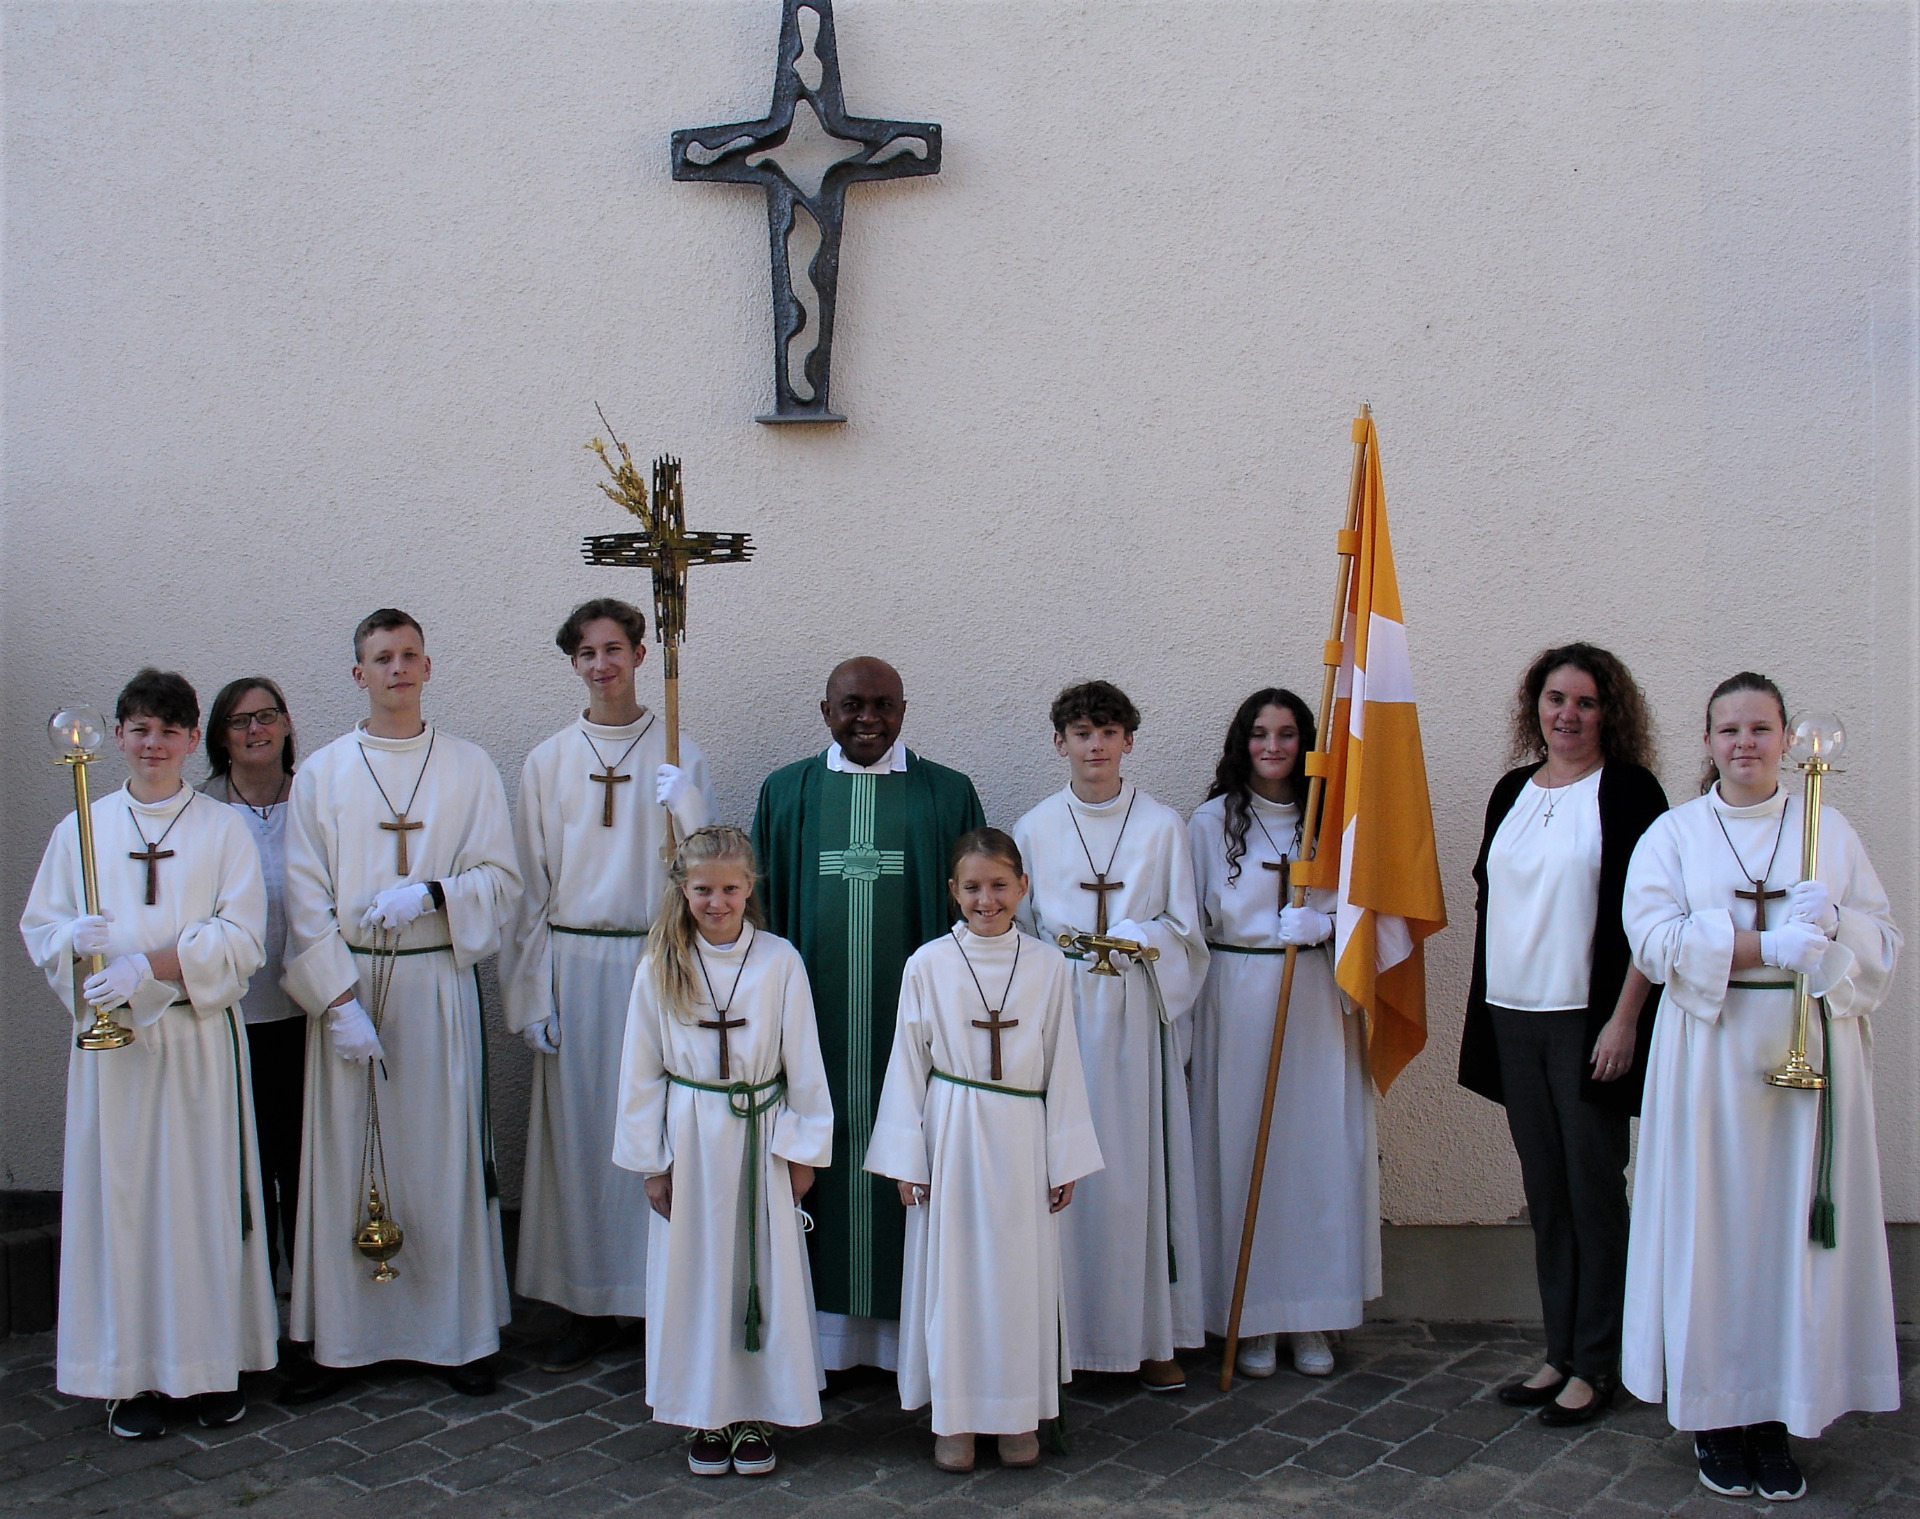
x: 1722, y: 1454
x: 584, y: 1339
x: 1776, y: 1475
x: 473, y: 1380
x: 307, y: 1381
x: 216, y: 1410
x: 138, y: 1418
x: 710, y: 1454
x: 752, y: 1450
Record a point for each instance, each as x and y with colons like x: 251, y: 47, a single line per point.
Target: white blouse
x: 265, y: 1002
x: 1543, y: 895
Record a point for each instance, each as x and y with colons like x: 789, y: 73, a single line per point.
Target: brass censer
x: 78, y: 733
x: 378, y: 1238
x: 1818, y: 740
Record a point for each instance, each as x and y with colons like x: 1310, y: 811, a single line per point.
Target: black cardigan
x: 1630, y: 799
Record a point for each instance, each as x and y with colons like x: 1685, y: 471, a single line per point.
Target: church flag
x: 1376, y: 842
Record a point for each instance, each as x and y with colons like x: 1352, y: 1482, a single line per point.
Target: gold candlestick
x: 1818, y: 740
x: 78, y: 734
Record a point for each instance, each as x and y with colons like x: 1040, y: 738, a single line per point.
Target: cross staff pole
x: 1316, y: 768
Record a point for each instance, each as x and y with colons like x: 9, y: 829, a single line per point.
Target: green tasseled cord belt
x: 984, y: 1086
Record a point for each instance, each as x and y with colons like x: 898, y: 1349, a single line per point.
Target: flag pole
x: 1315, y: 767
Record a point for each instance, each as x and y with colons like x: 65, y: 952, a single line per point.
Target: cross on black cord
x: 993, y: 1023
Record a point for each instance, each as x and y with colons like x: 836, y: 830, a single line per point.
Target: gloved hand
x: 543, y: 1038
x: 353, y: 1034
x: 1304, y: 926
x: 1127, y: 928
x: 90, y: 933
x: 1811, y: 902
x: 115, y: 985
x: 1798, y: 947
x: 398, y: 906
x: 674, y: 789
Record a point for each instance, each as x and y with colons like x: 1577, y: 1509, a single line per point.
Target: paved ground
x: 1407, y: 1426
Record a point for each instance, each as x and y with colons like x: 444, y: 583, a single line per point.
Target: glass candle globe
x: 77, y: 729
x: 1817, y: 736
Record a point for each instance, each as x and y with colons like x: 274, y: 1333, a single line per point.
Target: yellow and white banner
x: 1376, y: 822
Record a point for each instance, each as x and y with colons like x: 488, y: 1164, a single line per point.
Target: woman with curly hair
x: 1558, y: 1020
x: 1316, y: 1252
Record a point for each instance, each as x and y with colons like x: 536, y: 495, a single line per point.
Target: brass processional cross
x: 664, y: 546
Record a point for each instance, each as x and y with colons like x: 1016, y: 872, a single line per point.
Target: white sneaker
x: 1257, y: 1355
x: 1311, y: 1355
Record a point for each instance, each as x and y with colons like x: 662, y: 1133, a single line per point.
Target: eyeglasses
x: 266, y: 717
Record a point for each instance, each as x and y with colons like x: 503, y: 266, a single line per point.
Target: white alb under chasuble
x: 1130, y: 1244
x: 983, y: 1327
x: 590, y: 892
x: 1733, y: 1314
x: 163, y: 1282
x: 1316, y: 1252
x: 451, y: 1297
x: 735, y: 1233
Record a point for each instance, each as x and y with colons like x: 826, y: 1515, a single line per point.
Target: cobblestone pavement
x: 1406, y: 1426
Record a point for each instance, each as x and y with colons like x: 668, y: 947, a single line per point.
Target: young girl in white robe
x: 1755, y: 1306
x: 984, y: 1123
x: 724, y: 1109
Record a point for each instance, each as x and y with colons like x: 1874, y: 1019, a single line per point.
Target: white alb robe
x: 983, y: 1325
x: 161, y: 1288
x: 1732, y: 1313
x: 700, y: 1375
x: 590, y: 894
x: 450, y: 1300
x: 1316, y: 1249
x: 1130, y: 1244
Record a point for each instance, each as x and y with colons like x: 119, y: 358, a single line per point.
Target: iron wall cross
x: 804, y: 153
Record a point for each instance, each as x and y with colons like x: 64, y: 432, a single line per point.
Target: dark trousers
x: 277, y: 1057
x: 1573, y: 1161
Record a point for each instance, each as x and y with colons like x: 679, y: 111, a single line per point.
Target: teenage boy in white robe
x: 1748, y: 1326
x: 984, y: 1124
x: 399, y: 832
x: 164, y: 1288
x: 1131, y: 1244
x: 595, y: 803
x: 725, y: 1110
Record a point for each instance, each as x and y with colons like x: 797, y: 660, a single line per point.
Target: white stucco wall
x: 307, y: 306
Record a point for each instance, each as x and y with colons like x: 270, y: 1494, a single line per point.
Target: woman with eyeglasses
x: 250, y: 749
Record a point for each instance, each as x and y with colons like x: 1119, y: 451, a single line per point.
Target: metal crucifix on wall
x: 804, y: 153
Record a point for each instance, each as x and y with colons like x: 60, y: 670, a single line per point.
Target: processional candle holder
x: 79, y: 733
x: 1819, y: 739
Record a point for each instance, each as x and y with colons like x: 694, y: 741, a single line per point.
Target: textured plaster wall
x: 307, y: 306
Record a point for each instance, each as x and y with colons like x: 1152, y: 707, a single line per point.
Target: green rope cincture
x: 984, y: 1086
x: 745, y: 1102
x: 598, y: 933
x: 1822, y: 1218
x: 425, y: 949
x: 490, y: 1172
x: 1166, y: 1157
x: 240, y: 1125
x: 1249, y: 949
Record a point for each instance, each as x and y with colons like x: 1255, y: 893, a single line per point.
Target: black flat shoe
x: 1519, y: 1395
x: 1556, y: 1416
x: 473, y: 1380
x: 584, y: 1339
x: 309, y: 1382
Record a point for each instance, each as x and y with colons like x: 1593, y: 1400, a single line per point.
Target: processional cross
x: 804, y: 153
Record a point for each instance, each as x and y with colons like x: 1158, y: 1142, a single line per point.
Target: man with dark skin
x: 853, y: 844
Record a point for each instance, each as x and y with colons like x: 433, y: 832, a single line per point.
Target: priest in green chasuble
x: 854, y: 844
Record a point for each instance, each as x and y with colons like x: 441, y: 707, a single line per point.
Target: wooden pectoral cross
x: 153, y: 854
x: 994, y: 1024
x: 1280, y: 867
x: 720, y: 1024
x: 400, y: 828
x: 608, y: 781
x: 1759, y: 896
x: 1100, y: 886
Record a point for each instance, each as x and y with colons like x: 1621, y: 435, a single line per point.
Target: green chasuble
x: 855, y: 875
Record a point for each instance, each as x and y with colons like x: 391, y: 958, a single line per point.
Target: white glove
x: 115, y: 985
x: 1811, y: 902
x: 543, y: 1038
x: 1303, y: 926
x: 674, y: 790
x: 398, y: 906
x: 353, y: 1033
x: 90, y: 934
x: 1794, y: 946
x: 1126, y: 928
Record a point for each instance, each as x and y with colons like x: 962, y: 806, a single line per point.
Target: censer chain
x: 376, y: 1196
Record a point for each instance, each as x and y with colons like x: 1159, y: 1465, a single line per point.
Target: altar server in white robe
x: 398, y: 832
x: 164, y: 1286
x: 1316, y: 1250
x: 984, y: 1123
x: 724, y: 1109
x: 1104, y: 856
x: 1748, y: 1327
x: 595, y: 804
